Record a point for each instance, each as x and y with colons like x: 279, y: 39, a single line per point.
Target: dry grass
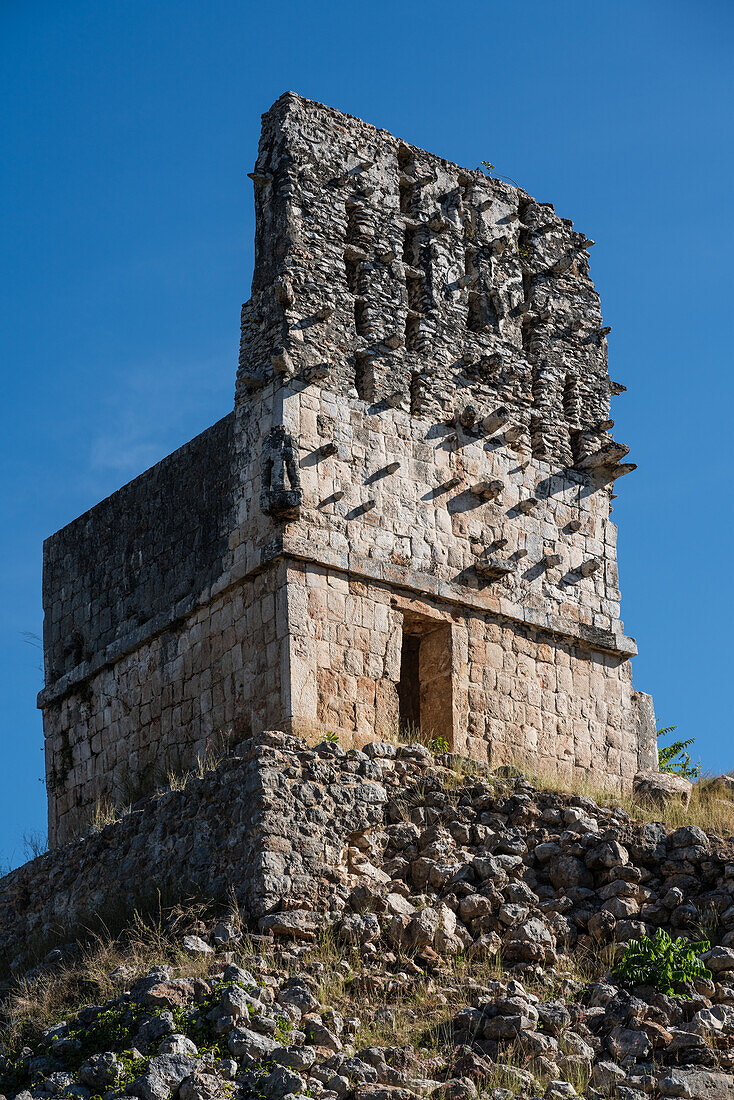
x: 415, y: 1007
x: 104, y: 813
x: 103, y: 968
x: 711, y: 807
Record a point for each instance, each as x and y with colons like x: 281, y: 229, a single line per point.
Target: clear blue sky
x: 127, y: 226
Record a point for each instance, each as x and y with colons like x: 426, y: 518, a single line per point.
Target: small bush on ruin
x: 661, y: 962
x: 674, y: 759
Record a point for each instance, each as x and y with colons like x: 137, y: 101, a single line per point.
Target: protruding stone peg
x: 487, y: 490
x: 608, y: 455
x: 438, y: 223
x: 316, y: 372
x: 260, y: 178
x: 622, y: 469
x: 513, y: 433
x: 368, y: 505
x: 496, y: 420
x: 337, y: 494
x: 574, y: 526
x: 392, y: 467
x: 393, y: 400
x: 588, y: 567
x: 494, y: 568
x: 328, y: 449
x: 468, y: 417
x: 282, y: 363
x: 283, y: 290
x: 552, y: 560
x: 528, y: 505
x: 251, y: 379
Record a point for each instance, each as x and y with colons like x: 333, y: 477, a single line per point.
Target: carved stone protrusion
x: 281, y: 494
x: 487, y: 490
x: 493, y: 568
x: 496, y: 420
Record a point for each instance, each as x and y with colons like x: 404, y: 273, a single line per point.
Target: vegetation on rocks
x: 491, y: 938
x: 661, y: 962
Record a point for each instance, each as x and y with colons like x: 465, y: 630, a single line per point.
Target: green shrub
x: 661, y: 962
x: 674, y: 758
x: 438, y: 745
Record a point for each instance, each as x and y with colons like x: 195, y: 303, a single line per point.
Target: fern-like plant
x: 661, y: 962
x: 674, y: 759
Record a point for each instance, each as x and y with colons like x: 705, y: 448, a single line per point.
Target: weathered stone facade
x: 262, y: 828
x: 405, y: 520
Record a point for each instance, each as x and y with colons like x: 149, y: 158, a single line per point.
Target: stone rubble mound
x: 483, y: 910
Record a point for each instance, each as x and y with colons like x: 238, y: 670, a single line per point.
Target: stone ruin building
x: 403, y: 522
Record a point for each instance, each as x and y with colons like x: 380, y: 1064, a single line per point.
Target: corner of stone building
x: 646, y: 731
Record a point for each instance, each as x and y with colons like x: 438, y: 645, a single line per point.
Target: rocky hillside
x: 469, y: 951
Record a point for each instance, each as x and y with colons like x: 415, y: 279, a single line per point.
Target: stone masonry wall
x: 420, y: 435
x: 514, y: 692
x: 179, y: 635
x: 269, y: 826
x: 431, y: 497
x: 209, y: 680
x: 439, y: 348
x: 306, y: 837
x: 404, y: 279
x: 153, y: 545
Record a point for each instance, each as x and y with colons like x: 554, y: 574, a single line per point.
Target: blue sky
x: 126, y: 237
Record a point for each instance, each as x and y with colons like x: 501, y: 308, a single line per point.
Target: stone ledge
x: 485, y: 602
x: 288, y: 546
x: 131, y: 641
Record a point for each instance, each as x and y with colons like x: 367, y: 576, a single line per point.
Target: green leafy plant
x: 438, y: 745
x: 674, y: 759
x: 661, y: 962
x: 487, y: 167
x: 333, y: 736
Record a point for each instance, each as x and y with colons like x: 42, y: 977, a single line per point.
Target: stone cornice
x: 485, y: 601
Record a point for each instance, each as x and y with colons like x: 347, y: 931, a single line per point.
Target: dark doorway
x: 425, y: 689
x: 409, y: 696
